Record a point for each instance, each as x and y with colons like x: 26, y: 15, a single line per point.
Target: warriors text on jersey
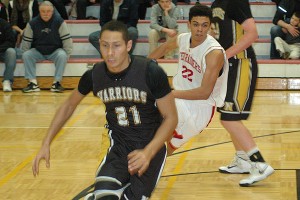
x: 131, y: 110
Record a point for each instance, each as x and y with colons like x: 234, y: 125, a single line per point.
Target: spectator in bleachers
x: 21, y: 12
x: 81, y: 7
x: 289, y: 46
x: 3, y: 11
x: 46, y: 37
x: 163, y: 24
x: 281, y: 19
x: 7, y: 54
x: 125, y: 11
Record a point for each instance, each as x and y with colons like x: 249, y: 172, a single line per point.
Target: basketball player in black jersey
x: 235, y: 30
x: 140, y: 112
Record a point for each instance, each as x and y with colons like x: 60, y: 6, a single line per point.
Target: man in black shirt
x: 284, y: 12
x: 125, y: 11
x: 140, y: 112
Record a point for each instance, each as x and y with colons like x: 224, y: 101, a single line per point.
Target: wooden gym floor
x: 189, y: 174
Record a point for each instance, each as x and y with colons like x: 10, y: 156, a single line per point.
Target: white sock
x: 33, y: 81
x: 242, y: 154
x: 252, y: 151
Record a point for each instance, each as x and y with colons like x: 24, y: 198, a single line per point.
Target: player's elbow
x: 255, y: 35
x: 206, y: 95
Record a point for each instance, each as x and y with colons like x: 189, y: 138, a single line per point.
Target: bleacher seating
x: 273, y: 74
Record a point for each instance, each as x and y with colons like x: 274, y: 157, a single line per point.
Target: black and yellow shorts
x: 240, y: 89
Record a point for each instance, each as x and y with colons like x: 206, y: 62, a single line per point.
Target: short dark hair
x: 201, y: 11
x: 117, y: 26
x: 297, y: 14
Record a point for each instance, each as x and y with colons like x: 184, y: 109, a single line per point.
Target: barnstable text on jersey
x: 113, y: 94
x: 189, y: 59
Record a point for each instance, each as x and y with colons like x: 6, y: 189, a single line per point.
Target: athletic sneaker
x: 31, y: 87
x: 258, y: 172
x: 90, y: 196
x: 56, y: 87
x: 6, y: 86
x: 237, y: 166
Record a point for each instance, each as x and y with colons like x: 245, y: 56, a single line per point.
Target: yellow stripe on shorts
x: 244, y: 83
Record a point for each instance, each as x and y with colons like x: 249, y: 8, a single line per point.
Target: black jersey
x: 228, y: 15
x: 130, y: 102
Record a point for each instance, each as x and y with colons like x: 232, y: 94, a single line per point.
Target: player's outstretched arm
x: 249, y: 37
x: 164, y: 48
x: 61, y: 116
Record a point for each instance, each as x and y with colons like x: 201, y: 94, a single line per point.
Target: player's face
x: 199, y: 27
x: 114, y: 50
x: 46, y: 12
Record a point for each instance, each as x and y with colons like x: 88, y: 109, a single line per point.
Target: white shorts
x: 193, y: 117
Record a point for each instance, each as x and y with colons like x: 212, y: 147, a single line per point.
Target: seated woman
x: 21, y: 12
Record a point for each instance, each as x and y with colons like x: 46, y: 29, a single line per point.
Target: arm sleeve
x: 27, y: 38
x: 85, y: 84
x: 13, y: 16
x: 157, y: 80
x: 280, y: 12
x: 239, y: 10
x: 155, y: 12
x: 9, y: 38
x: 66, y: 38
x: 171, y: 20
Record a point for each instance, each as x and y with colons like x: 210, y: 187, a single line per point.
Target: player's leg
x: 230, y: 114
x: 141, y: 187
x: 238, y: 105
x: 193, y: 117
x: 294, y: 51
x: 112, y: 176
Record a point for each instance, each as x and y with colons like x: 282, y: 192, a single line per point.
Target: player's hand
x: 293, y: 31
x: 171, y: 32
x: 168, y: 7
x: 44, y: 153
x: 138, y: 162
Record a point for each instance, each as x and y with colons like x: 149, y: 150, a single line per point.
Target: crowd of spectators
x: 20, y: 14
